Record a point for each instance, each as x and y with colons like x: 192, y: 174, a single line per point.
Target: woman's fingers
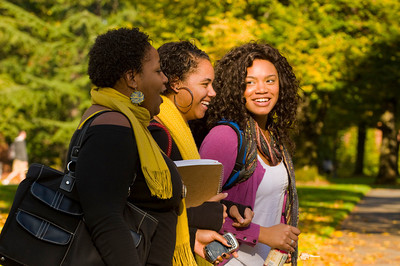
x: 218, y: 197
x: 224, y: 215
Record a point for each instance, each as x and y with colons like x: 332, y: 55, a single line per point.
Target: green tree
x: 43, y: 81
x: 331, y: 44
x: 378, y: 75
x: 327, y: 44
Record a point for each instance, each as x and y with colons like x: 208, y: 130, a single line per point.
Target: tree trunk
x: 388, y: 157
x: 397, y: 152
x: 362, y: 135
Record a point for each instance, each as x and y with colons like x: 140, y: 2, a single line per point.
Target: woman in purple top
x: 257, y: 89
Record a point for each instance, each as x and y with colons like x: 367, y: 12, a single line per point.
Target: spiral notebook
x: 202, y: 177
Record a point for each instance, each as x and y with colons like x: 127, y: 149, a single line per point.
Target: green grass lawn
x: 323, y: 206
x: 6, y: 198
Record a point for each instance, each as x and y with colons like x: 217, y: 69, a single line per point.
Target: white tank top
x: 267, y: 212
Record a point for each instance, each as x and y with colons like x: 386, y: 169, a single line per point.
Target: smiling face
x: 151, y: 81
x: 199, y: 82
x: 262, y: 89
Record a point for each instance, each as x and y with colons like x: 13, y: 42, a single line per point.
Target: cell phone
x: 216, y: 248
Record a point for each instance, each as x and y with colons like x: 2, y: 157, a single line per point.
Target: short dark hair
x: 177, y: 59
x: 230, y: 84
x: 116, y: 52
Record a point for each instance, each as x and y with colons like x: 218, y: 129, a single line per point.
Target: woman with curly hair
x: 187, y: 97
x: 257, y: 89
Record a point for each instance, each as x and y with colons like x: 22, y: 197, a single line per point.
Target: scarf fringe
x: 183, y: 253
x: 202, y: 262
x: 183, y: 256
x: 162, y: 187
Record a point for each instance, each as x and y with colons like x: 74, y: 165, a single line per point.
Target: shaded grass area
x: 324, y: 205
x: 6, y: 198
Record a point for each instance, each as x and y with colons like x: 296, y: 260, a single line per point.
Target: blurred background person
x: 4, y: 155
x: 18, y: 153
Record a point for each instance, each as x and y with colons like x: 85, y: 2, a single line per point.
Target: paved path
x: 370, y: 235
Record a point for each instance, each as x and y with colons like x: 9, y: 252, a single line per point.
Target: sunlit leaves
x: 223, y: 33
x: 327, y: 42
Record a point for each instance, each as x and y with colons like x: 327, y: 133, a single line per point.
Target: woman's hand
x: 239, y: 221
x: 205, y: 237
x: 280, y: 236
x: 217, y: 198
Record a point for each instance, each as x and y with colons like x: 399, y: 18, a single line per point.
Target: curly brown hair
x: 178, y: 59
x: 230, y: 84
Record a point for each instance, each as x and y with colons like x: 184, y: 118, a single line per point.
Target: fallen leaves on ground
x: 350, y: 248
x: 3, y: 218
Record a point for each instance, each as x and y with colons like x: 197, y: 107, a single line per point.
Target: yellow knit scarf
x: 171, y: 118
x: 155, y: 170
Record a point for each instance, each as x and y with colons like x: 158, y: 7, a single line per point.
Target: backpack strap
x: 238, y: 170
x: 84, y: 127
x: 169, y: 148
x: 68, y: 181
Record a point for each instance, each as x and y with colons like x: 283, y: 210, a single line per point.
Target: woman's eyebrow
x: 272, y: 75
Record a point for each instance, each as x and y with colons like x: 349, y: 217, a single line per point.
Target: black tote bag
x: 45, y: 225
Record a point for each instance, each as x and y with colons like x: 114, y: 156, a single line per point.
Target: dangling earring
x: 137, y: 97
x: 189, y: 105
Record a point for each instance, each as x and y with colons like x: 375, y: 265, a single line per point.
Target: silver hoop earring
x: 137, y: 97
x: 189, y: 105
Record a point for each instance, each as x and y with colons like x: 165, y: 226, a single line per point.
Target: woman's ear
x: 131, y: 79
x: 175, y: 85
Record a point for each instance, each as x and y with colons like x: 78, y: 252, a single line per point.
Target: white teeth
x: 262, y: 100
x: 205, y: 103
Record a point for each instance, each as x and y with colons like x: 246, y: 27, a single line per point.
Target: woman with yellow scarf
x: 188, y: 95
x: 125, y: 71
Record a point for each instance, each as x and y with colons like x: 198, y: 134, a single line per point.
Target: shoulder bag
x: 45, y: 225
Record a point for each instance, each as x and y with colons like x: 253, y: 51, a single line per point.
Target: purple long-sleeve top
x: 221, y: 144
